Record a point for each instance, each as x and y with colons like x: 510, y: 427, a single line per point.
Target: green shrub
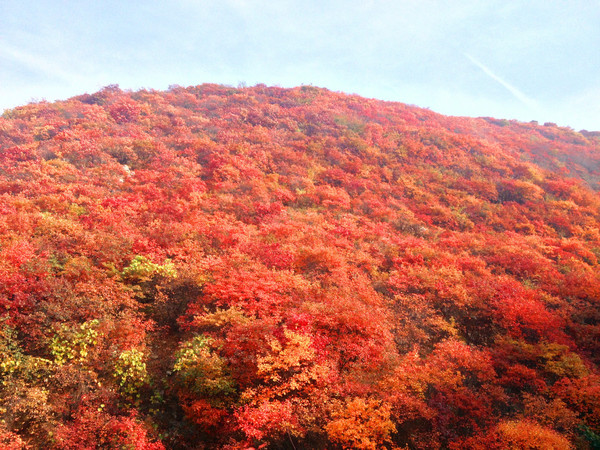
x: 130, y: 372
x: 201, y: 370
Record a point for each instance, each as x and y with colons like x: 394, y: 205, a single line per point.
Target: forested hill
x: 211, y: 267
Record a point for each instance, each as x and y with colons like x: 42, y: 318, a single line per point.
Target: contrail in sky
x: 513, y: 90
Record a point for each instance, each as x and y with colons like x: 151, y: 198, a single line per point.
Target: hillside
x: 211, y: 267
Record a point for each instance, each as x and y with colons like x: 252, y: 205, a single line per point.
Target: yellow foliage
x: 74, y: 343
x: 221, y: 318
x: 297, y: 350
x: 289, y: 367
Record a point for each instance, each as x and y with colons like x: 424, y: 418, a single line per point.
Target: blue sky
x: 526, y: 60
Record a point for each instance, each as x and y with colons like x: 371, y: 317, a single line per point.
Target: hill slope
x: 214, y: 267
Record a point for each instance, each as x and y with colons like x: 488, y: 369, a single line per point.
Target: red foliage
x: 92, y: 429
x: 352, y: 273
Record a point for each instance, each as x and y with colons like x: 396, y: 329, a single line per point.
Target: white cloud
x: 580, y: 111
x: 38, y: 64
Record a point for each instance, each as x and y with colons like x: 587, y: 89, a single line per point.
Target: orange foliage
x: 361, y: 423
x: 526, y: 434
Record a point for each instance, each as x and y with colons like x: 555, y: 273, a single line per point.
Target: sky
x: 512, y: 59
